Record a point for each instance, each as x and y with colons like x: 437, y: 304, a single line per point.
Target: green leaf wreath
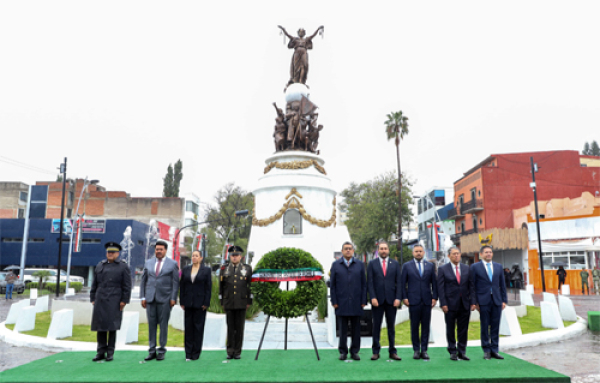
x: 288, y: 304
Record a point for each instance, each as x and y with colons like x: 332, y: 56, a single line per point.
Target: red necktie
x: 384, y: 267
x: 457, y: 275
x: 158, y: 267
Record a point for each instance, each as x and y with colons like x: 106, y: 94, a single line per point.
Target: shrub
x: 322, y: 305
x: 215, y: 304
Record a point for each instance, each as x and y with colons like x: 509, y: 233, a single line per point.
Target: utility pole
x: 63, y: 171
x: 533, y: 185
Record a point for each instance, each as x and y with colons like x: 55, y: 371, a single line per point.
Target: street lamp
x: 86, y: 183
x: 239, y: 213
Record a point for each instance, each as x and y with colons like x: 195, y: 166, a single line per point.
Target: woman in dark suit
x: 194, y: 298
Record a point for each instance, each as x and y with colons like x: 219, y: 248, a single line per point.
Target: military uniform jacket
x: 111, y: 286
x: 234, y: 288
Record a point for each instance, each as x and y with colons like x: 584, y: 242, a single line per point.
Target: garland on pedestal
x: 288, y: 264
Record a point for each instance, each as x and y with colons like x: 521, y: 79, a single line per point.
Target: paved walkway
x: 578, y: 357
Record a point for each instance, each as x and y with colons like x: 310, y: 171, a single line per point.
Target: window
x: 191, y: 206
x: 23, y: 196
x: 21, y: 213
x: 90, y: 240
x: 69, y: 212
x: 574, y: 259
x: 461, y: 200
x: 473, y: 194
x: 189, y: 221
x: 292, y: 222
x: 71, y: 197
x: 141, y: 243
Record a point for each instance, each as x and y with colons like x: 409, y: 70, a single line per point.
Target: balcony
x: 456, y: 237
x: 455, y: 214
x: 472, y: 206
x: 470, y: 231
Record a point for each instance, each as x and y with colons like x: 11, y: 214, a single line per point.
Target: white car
x: 29, y: 277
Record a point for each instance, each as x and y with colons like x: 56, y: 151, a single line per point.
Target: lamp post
x: 534, y: 169
x: 86, y: 183
x: 63, y: 171
x: 239, y: 213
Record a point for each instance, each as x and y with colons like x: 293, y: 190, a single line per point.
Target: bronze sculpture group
x: 297, y: 128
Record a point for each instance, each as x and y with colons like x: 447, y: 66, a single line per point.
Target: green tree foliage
x: 43, y: 276
x: 172, y: 180
x: 228, y: 200
x: 372, y: 209
x: 592, y: 149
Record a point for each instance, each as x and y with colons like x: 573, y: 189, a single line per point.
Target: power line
x: 23, y: 165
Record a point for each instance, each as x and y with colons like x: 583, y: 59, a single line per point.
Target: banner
x: 293, y: 275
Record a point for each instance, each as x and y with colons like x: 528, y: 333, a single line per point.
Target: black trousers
x: 355, y: 332
x: 390, y: 318
x: 560, y: 283
x: 106, y: 342
x: 420, y: 315
x: 194, y: 332
x: 235, y: 331
x: 457, y: 326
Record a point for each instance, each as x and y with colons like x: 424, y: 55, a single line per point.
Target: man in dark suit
x: 383, y: 281
x: 419, y: 293
x: 348, y: 290
x: 454, y: 290
x: 488, y: 296
x: 158, y: 291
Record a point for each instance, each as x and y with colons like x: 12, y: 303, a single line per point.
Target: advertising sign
x: 87, y: 226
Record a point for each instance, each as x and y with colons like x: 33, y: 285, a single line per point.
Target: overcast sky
x: 123, y: 88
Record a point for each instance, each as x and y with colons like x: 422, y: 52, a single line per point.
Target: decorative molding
x: 294, y: 203
x: 293, y: 165
x: 294, y: 191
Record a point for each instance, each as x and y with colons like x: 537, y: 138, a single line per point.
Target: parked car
x: 29, y: 277
x: 19, y: 285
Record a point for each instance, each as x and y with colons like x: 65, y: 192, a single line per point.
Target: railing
x: 472, y: 206
x: 455, y: 238
x: 454, y: 214
x: 470, y: 231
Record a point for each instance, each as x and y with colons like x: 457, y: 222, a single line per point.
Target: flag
x: 78, y: 232
x: 436, y: 230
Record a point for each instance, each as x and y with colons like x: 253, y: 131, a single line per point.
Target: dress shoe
x: 355, y: 356
x: 109, y: 357
x: 343, y: 356
x: 98, y: 357
x: 495, y: 355
x: 160, y: 356
x: 424, y: 355
x: 463, y: 357
x: 238, y: 356
x: 487, y: 356
x: 395, y: 357
x: 150, y: 356
x: 375, y: 357
x: 453, y: 357
x: 229, y: 356
x: 417, y: 355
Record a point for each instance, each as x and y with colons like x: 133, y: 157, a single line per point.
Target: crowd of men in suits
x: 459, y: 288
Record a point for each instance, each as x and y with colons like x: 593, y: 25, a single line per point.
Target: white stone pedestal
x: 566, y: 290
x: 61, y: 325
x: 529, y: 289
x: 41, y: 304
x: 129, y: 328
x: 550, y: 315
x: 82, y: 311
x: 26, y: 319
x: 437, y: 329
x: 215, y: 330
x: 15, y: 309
x: 297, y: 184
x: 33, y: 293
x: 567, y: 309
x: 509, y: 323
x: 177, y: 318
x: 526, y: 298
x: 548, y: 297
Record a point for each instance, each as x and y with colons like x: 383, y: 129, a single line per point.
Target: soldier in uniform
x: 596, y: 278
x: 584, y: 281
x: 235, y: 296
x: 110, y: 293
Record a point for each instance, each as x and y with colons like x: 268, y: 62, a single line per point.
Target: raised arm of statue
x: 285, y: 32
x: 279, y: 111
x: 317, y: 31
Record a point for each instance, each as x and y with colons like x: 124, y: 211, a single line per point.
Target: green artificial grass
x: 530, y: 323
x: 279, y: 366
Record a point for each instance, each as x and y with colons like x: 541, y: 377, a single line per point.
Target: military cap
x: 113, y: 246
x: 235, y: 250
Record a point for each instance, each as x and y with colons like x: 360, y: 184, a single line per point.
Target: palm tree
x: 43, y: 276
x: 396, y: 127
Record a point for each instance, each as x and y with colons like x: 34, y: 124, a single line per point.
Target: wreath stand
x: 287, y: 287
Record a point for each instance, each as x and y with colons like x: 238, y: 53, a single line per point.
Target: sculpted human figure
x: 300, y: 45
x: 293, y: 118
x: 280, y: 129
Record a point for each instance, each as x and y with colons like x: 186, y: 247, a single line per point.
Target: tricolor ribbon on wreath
x: 292, y: 275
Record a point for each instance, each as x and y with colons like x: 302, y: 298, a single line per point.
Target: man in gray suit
x: 158, y: 292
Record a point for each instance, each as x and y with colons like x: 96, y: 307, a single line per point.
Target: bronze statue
x: 280, y: 129
x: 297, y: 129
x: 300, y: 44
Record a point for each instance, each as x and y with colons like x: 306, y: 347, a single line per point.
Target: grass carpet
x: 279, y: 366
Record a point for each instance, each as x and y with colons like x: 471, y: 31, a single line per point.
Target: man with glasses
x: 235, y: 296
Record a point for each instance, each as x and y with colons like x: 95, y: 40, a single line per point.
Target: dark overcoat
x: 348, y: 287
x: 197, y: 293
x: 111, y: 286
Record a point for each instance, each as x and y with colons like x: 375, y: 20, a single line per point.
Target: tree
x: 372, y: 208
x: 172, y: 180
x: 586, y: 149
x: 592, y: 149
x: 396, y: 127
x: 43, y: 276
x: 227, y: 226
